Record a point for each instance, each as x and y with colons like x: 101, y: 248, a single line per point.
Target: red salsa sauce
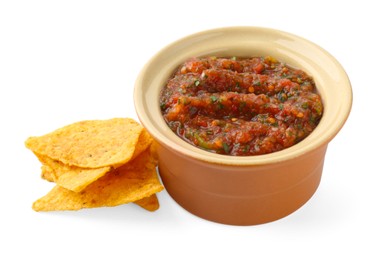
x: 240, y: 106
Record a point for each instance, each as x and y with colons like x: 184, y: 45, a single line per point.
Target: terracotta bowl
x: 251, y: 189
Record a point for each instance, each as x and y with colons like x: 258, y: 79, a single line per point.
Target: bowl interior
x: 330, y: 78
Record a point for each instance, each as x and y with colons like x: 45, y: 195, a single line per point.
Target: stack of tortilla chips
x: 97, y: 163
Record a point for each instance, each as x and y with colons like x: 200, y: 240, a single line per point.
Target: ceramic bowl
x: 245, y: 190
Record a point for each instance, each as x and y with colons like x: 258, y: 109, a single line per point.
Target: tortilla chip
x: 77, y: 178
x: 153, y: 150
x: 70, y: 177
x: 145, y: 140
x: 47, y: 173
x: 91, y: 143
x: 119, y: 186
x: 150, y: 203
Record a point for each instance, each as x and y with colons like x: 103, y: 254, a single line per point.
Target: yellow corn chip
x: 150, y: 203
x: 145, y: 140
x: 119, y: 186
x: 47, y: 173
x: 70, y: 177
x: 90, y: 144
x: 77, y: 178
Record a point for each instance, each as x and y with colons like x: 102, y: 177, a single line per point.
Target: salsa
x: 240, y: 106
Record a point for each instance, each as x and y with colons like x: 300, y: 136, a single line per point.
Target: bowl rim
x: 339, y: 113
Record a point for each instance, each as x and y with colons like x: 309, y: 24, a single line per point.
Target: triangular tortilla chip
x: 150, y: 203
x: 70, y: 177
x: 91, y: 143
x: 77, y: 178
x: 122, y: 185
x: 47, y: 173
x: 145, y: 140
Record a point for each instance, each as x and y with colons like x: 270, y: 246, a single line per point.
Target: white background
x: 65, y: 61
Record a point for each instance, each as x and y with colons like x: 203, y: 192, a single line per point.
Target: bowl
x: 243, y: 190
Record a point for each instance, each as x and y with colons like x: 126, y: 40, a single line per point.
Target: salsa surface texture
x: 240, y: 106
